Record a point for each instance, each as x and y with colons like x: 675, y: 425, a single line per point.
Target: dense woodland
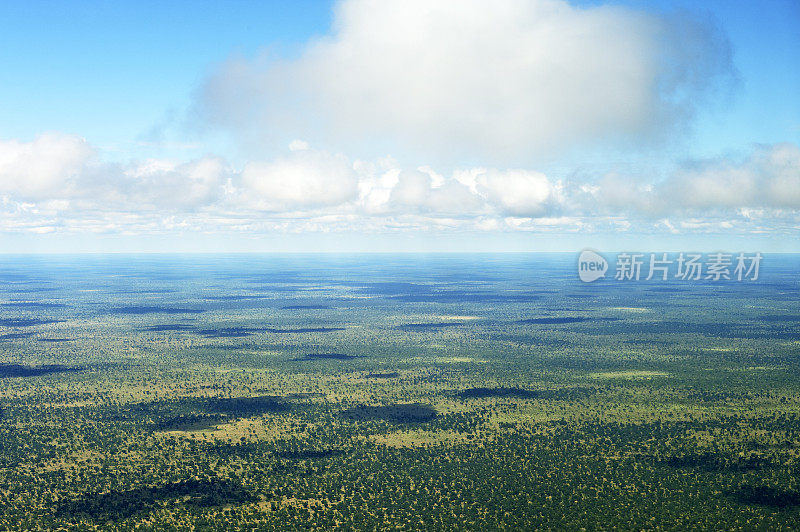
x: 445, y: 394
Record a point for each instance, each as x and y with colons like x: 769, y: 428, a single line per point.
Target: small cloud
x: 420, y: 191
x: 769, y: 177
x: 46, y: 167
x: 298, y: 145
x: 306, y: 178
x: 518, y: 192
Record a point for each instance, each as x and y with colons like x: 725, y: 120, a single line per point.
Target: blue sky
x: 111, y: 71
x: 308, y: 124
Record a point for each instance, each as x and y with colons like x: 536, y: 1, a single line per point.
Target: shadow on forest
x: 766, y: 496
x: 427, y: 326
x: 26, y: 322
x: 115, y: 505
x: 765, y: 329
x: 228, y: 332
x: 193, y: 415
x: 453, y: 296
x: 236, y: 332
x: 168, y: 327
x: 563, y: 320
x: 15, y: 336
x: 32, y: 305
x: 396, y: 413
x: 304, y: 330
x: 141, y: 309
x: 18, y: 370
x: 480, y: 393
x: 780, y: 318
x: 564, y: 394
x: 190, y: 422
x: 328, y: 356
x: 235, y: 298
x: 711, y: 463
x: 309, y: 454
x: 390, y: 375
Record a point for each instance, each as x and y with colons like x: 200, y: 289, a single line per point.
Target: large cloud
x: 499, y: 81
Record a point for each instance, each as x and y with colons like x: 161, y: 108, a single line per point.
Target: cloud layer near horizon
x: 469, y: 94
x: 500, y: 82
x: 59, y: 182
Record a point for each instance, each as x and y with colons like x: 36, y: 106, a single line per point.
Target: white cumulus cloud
x: 165, y: 183
x: 59, y: 183
x: 306, y: 178
x: 500, y: 80
x: 46, y: 167
x: 768, y: 177
x: 518, y: 192
x: 417, y: 191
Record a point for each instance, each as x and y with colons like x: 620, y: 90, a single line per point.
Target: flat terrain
x: 411, y: 392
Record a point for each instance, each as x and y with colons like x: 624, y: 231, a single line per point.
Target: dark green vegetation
x: 25, y: 322
x: 390, y: 375
x: 396, y: 413
x: 499, y: 392
x: 443, y: 393
x: 563, y: 320
x: 142, y: 309
x: 201, y: 493
x: 329, y: 356
x: 413, y: 327
x: 18, y: 370
x: 298, y: 330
